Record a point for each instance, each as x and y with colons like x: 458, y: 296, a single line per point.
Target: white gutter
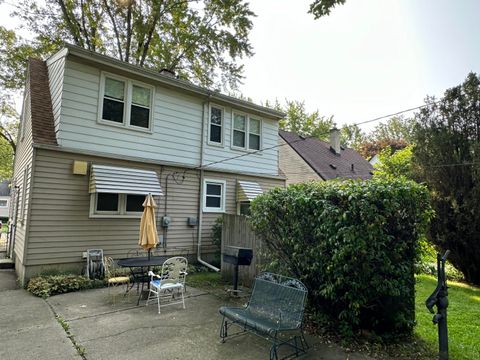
x: 200, y: 194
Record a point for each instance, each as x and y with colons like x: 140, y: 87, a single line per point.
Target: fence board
x: 237, y: 232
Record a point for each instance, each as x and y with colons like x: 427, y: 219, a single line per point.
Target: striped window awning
x: 121, y: 180
x: 248, y: 190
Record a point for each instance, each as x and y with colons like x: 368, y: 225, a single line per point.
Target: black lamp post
x: 439, y: 298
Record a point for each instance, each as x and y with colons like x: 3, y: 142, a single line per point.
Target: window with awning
x: 247, y: 191
x: 121, y: 180
x: 119, y: 191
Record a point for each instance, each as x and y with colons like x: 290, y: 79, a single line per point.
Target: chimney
x: 167, y: 72
x: 335, y: 140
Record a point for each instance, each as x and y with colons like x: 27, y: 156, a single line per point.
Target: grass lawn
x: 463, y: 318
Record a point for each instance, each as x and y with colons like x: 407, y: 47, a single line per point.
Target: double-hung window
x: 247, y: 132
x: 126, y: 102
x: 215, y: 135
x: 254, y: 133
x: 214, y: 195
x: 239, y: 130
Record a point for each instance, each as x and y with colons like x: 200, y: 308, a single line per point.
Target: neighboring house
x: 375, y: 160
x: 98, y: 134
x: 4, y: 200
x: 306, y: 158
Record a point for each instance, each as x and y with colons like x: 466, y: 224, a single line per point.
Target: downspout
x: 200, y: 192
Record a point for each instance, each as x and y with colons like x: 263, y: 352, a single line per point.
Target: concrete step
x: 7, y: 264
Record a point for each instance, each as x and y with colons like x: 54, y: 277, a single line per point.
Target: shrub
x: 353, y: 244
x: 48, y: 285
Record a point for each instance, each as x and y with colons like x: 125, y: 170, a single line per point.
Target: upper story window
x: 3, y: 203
x: 126, y: 102
x: 214, y: 195
x: 254, y: 133
x: 215, y: 135
x: 247, y: 132
x: 239, y: 130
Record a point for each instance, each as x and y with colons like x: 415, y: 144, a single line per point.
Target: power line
x: 309, y: 137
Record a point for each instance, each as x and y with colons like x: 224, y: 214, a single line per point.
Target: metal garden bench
x: 274, y: 311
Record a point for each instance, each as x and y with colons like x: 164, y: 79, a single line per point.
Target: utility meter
x: 166, y: 220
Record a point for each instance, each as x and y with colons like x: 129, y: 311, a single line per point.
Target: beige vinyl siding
x: 176, y: 133
x: 22, y: 165
x: 293, y: 166
x: 60, y: 227
x: 55, y: 77
x: 176, y: 122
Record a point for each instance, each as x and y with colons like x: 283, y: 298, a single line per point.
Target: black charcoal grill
x: 237, y: 256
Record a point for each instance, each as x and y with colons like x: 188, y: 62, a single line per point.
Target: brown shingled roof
x: 325, y: 162
x: 43, y: 129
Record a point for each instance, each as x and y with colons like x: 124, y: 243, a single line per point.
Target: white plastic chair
x: 170, y: 283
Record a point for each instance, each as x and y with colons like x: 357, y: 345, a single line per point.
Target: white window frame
x: 128, y: 92
x: 222, y: 133
x: 120, y: 213
x: 247, y: 132
x: 223, y: 184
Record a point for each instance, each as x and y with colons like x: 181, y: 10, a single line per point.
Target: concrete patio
x: 29, y: 329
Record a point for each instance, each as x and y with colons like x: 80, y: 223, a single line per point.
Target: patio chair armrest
x: 152, y: 274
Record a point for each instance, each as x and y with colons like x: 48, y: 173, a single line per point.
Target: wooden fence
x: 237, y: 232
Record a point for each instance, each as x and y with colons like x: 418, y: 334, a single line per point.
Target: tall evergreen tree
x: 447, y: 150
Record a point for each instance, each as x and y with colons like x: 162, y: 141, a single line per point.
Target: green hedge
x: 354, y: 246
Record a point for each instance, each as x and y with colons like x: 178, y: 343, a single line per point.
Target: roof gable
x: 318, y: 155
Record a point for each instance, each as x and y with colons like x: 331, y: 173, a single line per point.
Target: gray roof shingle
x: 328, y: 165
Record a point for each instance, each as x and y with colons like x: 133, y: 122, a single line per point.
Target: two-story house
x: 98, y: 134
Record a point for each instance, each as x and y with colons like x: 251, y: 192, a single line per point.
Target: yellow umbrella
x: 148, y: 226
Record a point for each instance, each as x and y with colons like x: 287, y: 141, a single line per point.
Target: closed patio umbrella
x: 148, y: 226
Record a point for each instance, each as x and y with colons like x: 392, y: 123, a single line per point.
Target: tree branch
x: 115, y: 29
x: 129, y: 31
x: 73, y: 24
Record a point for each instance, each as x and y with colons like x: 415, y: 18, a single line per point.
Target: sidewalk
x: 29, y: 330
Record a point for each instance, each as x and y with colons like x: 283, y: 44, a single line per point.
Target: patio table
x: 141, y: 262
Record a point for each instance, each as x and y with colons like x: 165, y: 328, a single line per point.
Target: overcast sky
x: 367, y: 59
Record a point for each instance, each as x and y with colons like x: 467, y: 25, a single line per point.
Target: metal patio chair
x: 170, y: 283
x: 114, y: 279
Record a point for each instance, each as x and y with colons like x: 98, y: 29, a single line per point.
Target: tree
x: 395, y: 133
x: 447, y: 150
x: 395, y: 164
x: 397, y: 128
x: 299, y: 121
x: 352, y: 136
x: 321, y: 8
x: 200, y: 40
